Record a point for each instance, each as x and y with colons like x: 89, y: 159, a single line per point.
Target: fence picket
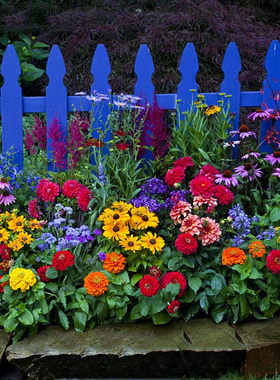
x: 144, y: 69
x: 56, y: 96
x: 11, y: 106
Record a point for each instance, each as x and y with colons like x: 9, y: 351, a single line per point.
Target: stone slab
x: 140, y: 350
x: 4, y: 340
x: 262, y: 342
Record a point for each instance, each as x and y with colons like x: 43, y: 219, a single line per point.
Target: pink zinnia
x: 202, y: 185
x: 191, y: 224
x: 200, y: 200
x: 6, y: 198
x: 180, y: 209
x: 34, y: 209
x: 210, y: 231
x: 175, y: 176
x: 224, y: 195
x: 184, y: 162
x: 71, y: 188
x: 83, y: 198
x: 209, y: 171
x: 47, y: 191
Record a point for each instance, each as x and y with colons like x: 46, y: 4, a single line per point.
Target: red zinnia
x: 186, y: 244
x: 224, y: 195
x: 71, y: 188
x: 5, y: 252
x: 175, y: 278
x: 209, y: 171
x: 122, y: 146
x: 42, y: 273
x: 184, y: 162
x: 202, y: 185
x: 63, y: 260
x: 273, y: 261
x: 47, y: 190
x: 149, y: 285
x: 175, y: 175
x: 173, y: 307
x: 83, y: 198
x: 155, y: 271
x: 34, y: 209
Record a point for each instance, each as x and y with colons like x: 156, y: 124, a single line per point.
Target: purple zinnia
x: 273, y: 158
x: 227, y: 177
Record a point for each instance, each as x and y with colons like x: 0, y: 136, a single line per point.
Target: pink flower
x: 191, y: 224
x: 175, y: 176
x: 248, y: 170
x: 227, y: 177
x: 34, y: 209
x: 71, y: 188
x: 259, y: 113
x: 210, y: 231
x: 273, y: 158
x: 180, y: 209
x: 202, y: 185
x: 200, y: 200
x: 209, y: 171
x: 47, y: 191
x: 6, y: 198
x: 186, y: 243
x: 224, y: 195
x: 4, y: 184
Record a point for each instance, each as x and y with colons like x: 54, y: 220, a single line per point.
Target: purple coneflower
x: 273, y: 158
x: 6, y: 197
x: 4, y: 184
x: 227, y: 177
x: 276, y: 172
x: 262, y: 114
x: 248, y: 170
x: 250, y: 154
x: 244, y: 132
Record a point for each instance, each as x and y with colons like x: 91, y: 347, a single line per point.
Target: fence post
x: 144, y: 69
x: 11, y: 106
x: 271, y: 88
x: 56, y: 97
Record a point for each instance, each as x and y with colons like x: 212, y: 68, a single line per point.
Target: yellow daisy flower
x: 4, y: 235
x: 130, y: 243
x: 34, y: 224
x: 143, y: 218
x: 121, y: 206
x: 211, y: 110
x: 115, y: 231
x: 114, y: 216
x: 25, y: 238
x: 15, y: 245
x: 152, y: 242
x: 16, y: 224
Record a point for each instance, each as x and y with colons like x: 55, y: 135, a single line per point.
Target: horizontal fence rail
x: 57, y: 103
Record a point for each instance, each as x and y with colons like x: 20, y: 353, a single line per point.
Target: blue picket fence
x: 56, y: 102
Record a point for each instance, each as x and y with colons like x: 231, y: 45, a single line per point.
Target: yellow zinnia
x: 130, y: 243
x: 143, y: 218
x: 22, y: 279
x: 115, y: 231
x: 152, y: 242
x: 15, y: 245
x: 4, y: 235
x: 25, y: 238
x: 16, y: 224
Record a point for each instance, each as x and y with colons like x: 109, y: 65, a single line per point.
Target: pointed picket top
x: 231, y: 67
x: 188, y: 68
x: 11, y: 106
x: 271, y: 89
x: 55, y: 66
x: 100, y: 69
x: 144, y: 69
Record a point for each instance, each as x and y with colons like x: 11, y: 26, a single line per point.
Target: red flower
x: 149, y: 285
x: 224, y: 195
x: 122, y: 146
x: 175, y: 278
x: 175, y: 175
x: 83, y: 198
x: 209, y: 171
x: 186, y: 244
x: 34, y: 209
x: 63, y: 260
x: 2, y: 284
x: 47, y: 190
x: 71, y: 188
x: 95, y: 142
x: 273, y: 261
x: 5, y: 252
x: 173, y: 307
x: 42, y: 273
x: 184, y: 162
x: 202, y: 185
x: 120, y: 132
x: 154, y: 271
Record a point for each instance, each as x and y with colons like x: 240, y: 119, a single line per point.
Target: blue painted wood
x: 11, y: 106
x: 188, y: 68
x: 144, y: 69
x: 56, y: 96
x: 271, y: 87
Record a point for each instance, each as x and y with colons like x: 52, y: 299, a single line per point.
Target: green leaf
x: 161, y: 318
x: 62, y: 298
x: 204, y: 303
x: 135, y: 278
x: 63, y: 319
x: 10, y: 324
x: 121, y: 312
x: 80, y: 320
x: 216, y: 284
x: 275, y: 214
x: 51, y: 273
x: 26, y: 318
x: 194, y: 283
x: 136, y: 312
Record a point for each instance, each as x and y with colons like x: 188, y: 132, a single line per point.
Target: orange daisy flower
x: 257, y: 249
x: 114, y: 263
x: 96, y: 283
x: 233, y: 255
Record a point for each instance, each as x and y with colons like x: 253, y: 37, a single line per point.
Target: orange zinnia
x: 114, y: 263
x: 233, y: 255
x: 96, y: 283
x: 257, y: 249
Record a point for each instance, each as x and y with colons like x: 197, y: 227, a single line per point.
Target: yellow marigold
x: 17, y: 223
x: 115, y: 231
x: 35, y: 224
x: 211, y: 110
x: 143, y: 218
x: 233, y: 255
x: 114, y: 263
x: 25, y: 238
x: 22, y: 279
x: 257, y: 249
x: 4, y: 235
x: 152, y: 242
x: 96, y: 283
x: 15, y: 245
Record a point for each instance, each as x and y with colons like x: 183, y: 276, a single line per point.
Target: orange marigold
x: 233, y: 255
x: 96, y: 283
x: 257, y: 249
x: 114, y: 263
